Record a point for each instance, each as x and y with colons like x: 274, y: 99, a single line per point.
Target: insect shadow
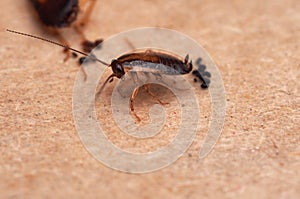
x: 201, y: 74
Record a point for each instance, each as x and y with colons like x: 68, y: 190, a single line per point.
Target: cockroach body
x: 147, y: 59
x: 158, y: 61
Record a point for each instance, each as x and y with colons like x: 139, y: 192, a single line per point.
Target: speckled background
x: 256, y: 47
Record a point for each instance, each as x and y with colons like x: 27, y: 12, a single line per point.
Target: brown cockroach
x: 161, y: 62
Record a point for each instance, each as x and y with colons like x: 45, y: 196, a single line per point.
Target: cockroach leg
x: 67, y: 55
x: 134, y: 94
x: 79, y: 31
x: 108, y: 80
x: 147, y: 88
x: 87, y: 13
x: 63, y: 41
x: 83, y: 72
x: 129, y: 43
x: 87, y: 45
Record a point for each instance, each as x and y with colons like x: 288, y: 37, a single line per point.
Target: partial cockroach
x: 168, y: 64
x: 56, y: 14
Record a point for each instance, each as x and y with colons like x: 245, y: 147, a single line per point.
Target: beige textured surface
x: 256, y: 46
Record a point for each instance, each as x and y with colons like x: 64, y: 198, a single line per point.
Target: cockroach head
x: 117, y: 68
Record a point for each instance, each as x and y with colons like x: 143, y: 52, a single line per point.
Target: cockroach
x: 56, y: 14
x: 168, y: 64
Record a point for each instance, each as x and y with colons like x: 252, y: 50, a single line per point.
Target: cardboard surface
x: 256, y: 47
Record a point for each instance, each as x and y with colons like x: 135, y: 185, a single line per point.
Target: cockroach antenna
x: 56, y: 43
